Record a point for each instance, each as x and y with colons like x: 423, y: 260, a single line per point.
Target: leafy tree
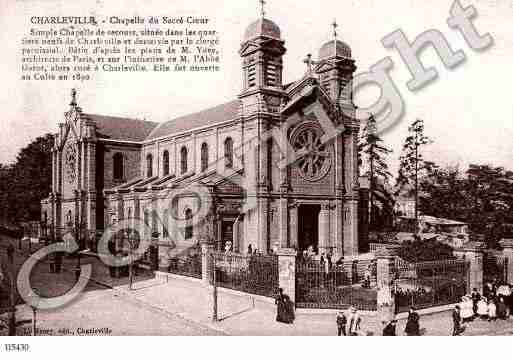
x: 412, y: 164
x: 373, y: 160
x: 28, y: 181
x: 425, y: 250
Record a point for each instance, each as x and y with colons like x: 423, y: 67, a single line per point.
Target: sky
x: 467, y: 111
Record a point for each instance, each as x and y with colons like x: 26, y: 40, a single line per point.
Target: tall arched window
x: 149, y: 165
x: 228, y: 153
x: 165, y: 162
x: 204, y: 157
x: 117, y: 160
x: 183, y: 160
x: 188, y: 223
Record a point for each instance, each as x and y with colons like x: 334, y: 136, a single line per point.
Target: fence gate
x: 254, y: 274
x: 337, y: 286
x: 429, y: 284
x: 495, y: 268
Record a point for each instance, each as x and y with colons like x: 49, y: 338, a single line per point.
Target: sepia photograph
x: 255, y: 168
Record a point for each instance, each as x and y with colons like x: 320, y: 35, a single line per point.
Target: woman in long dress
x: 412, y: 324
x: 467, y: 312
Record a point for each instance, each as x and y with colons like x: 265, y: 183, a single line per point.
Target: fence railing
x: 189, y: 266
x: 495, y: 267
x: 336, y: 286
x: 254, y: 274
x: 429, y: 284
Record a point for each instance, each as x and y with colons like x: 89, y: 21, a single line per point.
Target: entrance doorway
x: 308, y: 227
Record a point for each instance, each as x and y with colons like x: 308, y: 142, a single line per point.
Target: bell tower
x: 262, y: 53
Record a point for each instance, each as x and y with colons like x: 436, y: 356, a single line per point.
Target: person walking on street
x: 390, y: 329
x: 492, y: 310
x: 341, y: 323
x: 354, y: 322
x: 475, y: 299
x: 456, y: 320
x: 412, y: 324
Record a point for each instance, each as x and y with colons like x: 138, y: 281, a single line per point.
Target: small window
x: 149, y: 165
x: 228, y: 153
x: 165, y: 160
x: 183, y: 160
x: 118, y: 166
x: 204, y: 157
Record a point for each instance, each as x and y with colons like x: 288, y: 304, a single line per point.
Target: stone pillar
x: 324, y: 228
x: 284, y: 223
x: 385, y: 280
x: 287, y: 272
x: 507, y: 250
x: 293, y: 226
x: 206, y: 265
x: 473, y: 253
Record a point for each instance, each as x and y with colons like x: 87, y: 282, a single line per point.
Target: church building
x: 276, y: 166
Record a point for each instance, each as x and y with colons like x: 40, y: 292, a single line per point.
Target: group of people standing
x: 496, y: 302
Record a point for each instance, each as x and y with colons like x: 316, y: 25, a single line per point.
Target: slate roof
x: 119, y: 128
x: 211, y: 116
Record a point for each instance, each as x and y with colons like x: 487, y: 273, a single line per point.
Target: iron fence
x: 336, y: 286
x: 254, y: 274
x: 429, y: 284
x: 189, y: 266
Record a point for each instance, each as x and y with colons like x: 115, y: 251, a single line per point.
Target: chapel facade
x: 277, y: 166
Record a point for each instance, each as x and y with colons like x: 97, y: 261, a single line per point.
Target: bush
x: 425, y: 250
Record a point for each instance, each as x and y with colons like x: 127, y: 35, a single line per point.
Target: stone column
x: 284, y: 223
x: 287, y: 272
x: 324, y: 228
x: 507, y: 250
x: 473, y: 253
x: 293, y: 226
x: 206, y: 265
x: 384, y: 279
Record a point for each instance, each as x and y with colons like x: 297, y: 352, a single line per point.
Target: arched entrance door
x: 308, y: 226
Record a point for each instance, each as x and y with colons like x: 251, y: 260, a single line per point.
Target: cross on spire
x: 309, y: 63
x: 262, y: 6
x: 335, y: 25
x: 73, y: 97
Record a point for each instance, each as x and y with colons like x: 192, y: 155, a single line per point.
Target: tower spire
x: 262, y: 8
x: 73, y: 102
x: 335, y: 35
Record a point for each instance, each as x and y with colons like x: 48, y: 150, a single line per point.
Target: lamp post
x: 33, y: 306
x: 12, y: 296
x: 214, y: 289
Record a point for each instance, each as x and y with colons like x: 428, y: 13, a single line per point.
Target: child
x: 482, y: 308
x: 341, y: 323
x: 492, y: 310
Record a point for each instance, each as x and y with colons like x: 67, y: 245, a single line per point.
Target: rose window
x: 313, y: 157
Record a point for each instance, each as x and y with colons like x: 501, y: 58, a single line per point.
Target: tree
x: 424, y: 250
x: 373, y: 160
x: 412, y: 163
x: 24, y: 184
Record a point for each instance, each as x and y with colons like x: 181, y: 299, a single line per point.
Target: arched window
x: 165, y: 162
x: 117, y: 160
x: 204, y: 157
x: 149, y: 165
x: 228, y: 153
x: 183, y: 160
x: 188, y: 223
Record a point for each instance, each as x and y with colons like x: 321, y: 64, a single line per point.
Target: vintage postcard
x: 255, y: 168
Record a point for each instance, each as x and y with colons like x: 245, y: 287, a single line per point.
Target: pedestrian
x: 502, y: 309
x: 466, y: 311
x: 412, y: 323
x: 390, y: 329
x: 341, y: 323
x: 492, y: 310
x: 475, y: 299
x: 482, y: 308
x: 354, y: 321
x: 456, y: 320
x: 250, y: 249
x: 283, y: 313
